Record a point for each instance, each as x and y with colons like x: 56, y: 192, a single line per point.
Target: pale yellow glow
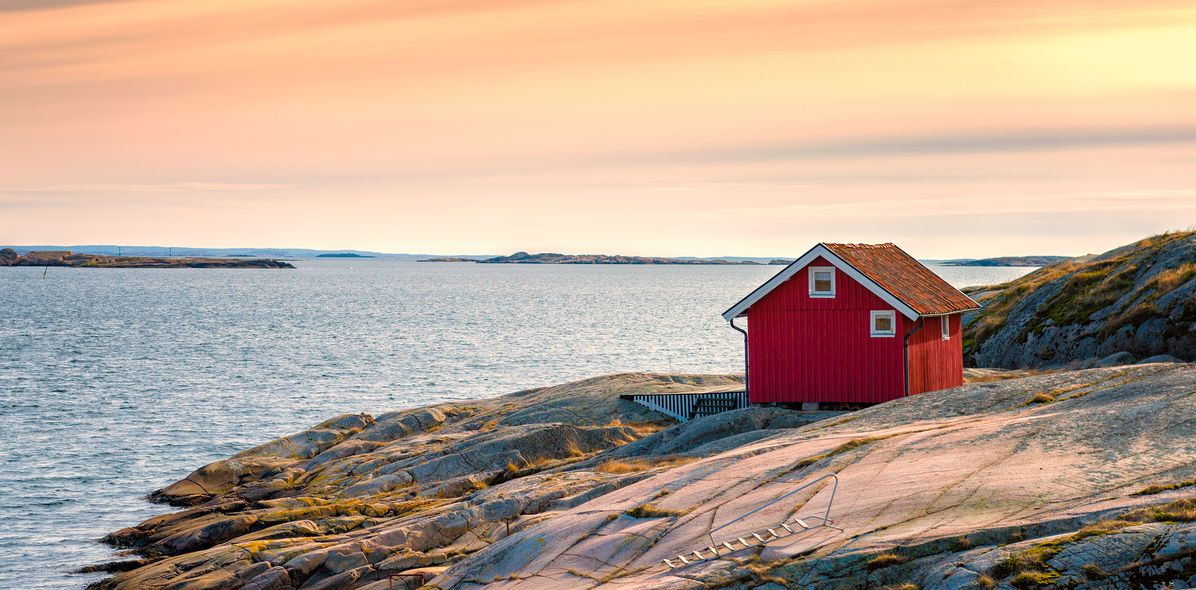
x: 672, y: 127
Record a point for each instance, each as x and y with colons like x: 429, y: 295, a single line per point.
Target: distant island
x: 9, y: 257
x: 343, y: 255
x: 449, y: 259
x: 1005, y: 261
x: 555, y: 258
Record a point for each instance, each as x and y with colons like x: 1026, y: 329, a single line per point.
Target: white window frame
x: 945, y: 326
x: 811, y: 272
x: 892, y: 315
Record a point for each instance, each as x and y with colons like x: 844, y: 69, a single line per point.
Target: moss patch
x: 652, y: 511
x: 1083, y: 287
x: 1029, y: 568
x: 1158, y: 489
x: 843, y: 448
x: 1034, y: 579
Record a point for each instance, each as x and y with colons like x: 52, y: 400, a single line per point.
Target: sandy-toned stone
x: 952, y: 481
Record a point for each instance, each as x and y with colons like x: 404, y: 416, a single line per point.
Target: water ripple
x: 115, y: 382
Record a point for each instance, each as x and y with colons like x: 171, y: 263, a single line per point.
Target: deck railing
x: 680, y: 406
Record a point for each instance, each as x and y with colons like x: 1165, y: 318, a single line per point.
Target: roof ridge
x: 886, y: 270
x: 862, y: 246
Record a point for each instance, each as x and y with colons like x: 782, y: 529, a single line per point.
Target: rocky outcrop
x: 9, y: 257
x: 555, y: 258
x: 1031, y: 482
x: 1136, y: 301
x: 1006, y: 261
x: 342, y: 503
x: 1080, y: 479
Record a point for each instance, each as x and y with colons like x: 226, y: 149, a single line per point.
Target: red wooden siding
x: 935, y: 363
x: 803, y: 349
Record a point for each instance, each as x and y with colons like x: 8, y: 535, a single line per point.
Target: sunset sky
x: 684, y: 127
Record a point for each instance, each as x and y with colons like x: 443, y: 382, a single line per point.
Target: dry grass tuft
x: 885, y: 560
x: 1166, y: 281
x: 1178, y: 511
x: 641, y: 429
x: 1027, y: 580
x: 1040, y: 398
x: 652, y: 511
x: 1158, y: 489
x: 843, y: 448
x: 1004, y: 375
x: 1030, y: 560
x: 1094, y: 572
x: 762, y: 572
x: 620, y: 466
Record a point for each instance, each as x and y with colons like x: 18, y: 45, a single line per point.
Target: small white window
x: 945, y: 324
x: 884, y: 324
x: 822, y: 281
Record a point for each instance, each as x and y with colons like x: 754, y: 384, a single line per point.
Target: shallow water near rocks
x: 115, y: 382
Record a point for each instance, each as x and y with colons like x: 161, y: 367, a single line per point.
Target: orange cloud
x: 468, y: 126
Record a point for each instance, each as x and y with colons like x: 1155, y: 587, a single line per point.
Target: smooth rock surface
x: 551, y: 489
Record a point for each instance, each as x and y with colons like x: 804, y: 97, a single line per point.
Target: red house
x: 851, y: 324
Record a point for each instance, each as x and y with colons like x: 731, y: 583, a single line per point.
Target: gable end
x: 797, y: 265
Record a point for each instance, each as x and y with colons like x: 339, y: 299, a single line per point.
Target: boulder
x: 1159, y: 358
x: 1116, y: 359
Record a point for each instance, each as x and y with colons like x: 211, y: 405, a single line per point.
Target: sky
x: 681, y: 127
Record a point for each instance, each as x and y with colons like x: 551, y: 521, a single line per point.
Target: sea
x: 116, y: 382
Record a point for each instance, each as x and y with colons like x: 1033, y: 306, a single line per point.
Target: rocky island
x: 9, y: 257
x: 555, y: 258
x: 1006, y: 261
x: 1078, y: 479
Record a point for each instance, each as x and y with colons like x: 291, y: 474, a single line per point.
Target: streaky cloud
x: 953, y: 143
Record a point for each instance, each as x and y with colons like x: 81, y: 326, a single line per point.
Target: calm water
x: 116, y: 382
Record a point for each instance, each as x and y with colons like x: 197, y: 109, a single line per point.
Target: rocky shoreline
x: 9, y: 257
x: 555, y: 258
x: 1078, y: 479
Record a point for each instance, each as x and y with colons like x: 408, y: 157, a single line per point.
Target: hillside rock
x: 546, y: 489
x: 556, y: 258
x: 1139, y: 299
x: 9, y: 257
x: 336, y: 505
x: 936, y: 490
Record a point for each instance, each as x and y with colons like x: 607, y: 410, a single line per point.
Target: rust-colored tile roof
x: 904, y: 277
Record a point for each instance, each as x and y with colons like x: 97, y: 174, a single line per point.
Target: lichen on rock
x: 570, y: 486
